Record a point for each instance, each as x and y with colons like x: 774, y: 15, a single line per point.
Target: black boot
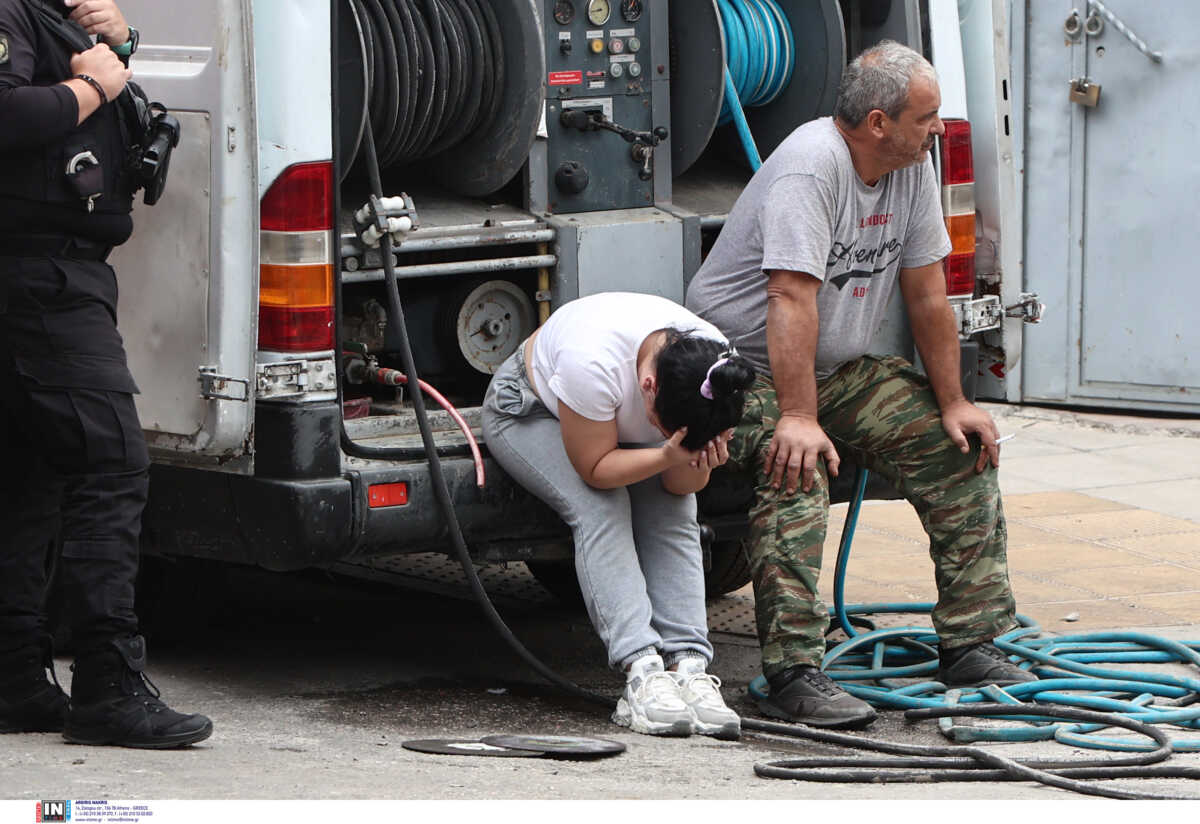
x: 113, y: 702
x: 28, y: 701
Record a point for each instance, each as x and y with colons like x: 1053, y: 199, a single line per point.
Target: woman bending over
x: 578, y: 416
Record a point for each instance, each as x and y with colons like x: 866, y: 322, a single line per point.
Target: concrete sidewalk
x: 1103, y: 515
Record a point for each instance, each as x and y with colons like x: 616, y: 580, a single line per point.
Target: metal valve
x: 642, y: 151
x: 589, y: 120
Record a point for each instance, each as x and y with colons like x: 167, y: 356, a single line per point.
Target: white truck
x: 548, y: 149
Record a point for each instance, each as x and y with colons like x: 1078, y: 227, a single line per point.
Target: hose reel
x: 454, y: 85
x: 702, y: 43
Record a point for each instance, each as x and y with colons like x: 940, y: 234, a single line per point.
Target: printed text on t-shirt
x: 875, y: 220
x: 848, y: 254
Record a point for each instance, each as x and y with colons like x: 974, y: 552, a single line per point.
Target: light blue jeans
x: 637, y: 548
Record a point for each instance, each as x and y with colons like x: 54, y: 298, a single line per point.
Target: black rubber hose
x: 404, y: 31
x: 1060, y: 774
x: 431, y: 69
x: 386, y: 71
x: 440, y: 488
x: 477, y: 67
x: 397, y: 118
x: 436, y: 70
x: 451, y: 49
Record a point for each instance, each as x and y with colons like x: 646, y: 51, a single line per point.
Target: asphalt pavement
x: 314, y: 681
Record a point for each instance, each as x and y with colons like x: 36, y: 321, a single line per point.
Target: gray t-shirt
x: 807, y: 210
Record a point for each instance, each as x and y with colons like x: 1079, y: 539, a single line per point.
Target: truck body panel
x: 259, y: 457
x: 185, y: 276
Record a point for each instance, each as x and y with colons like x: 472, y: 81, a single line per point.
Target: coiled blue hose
x: 867, y: 664
x: 760, y: 54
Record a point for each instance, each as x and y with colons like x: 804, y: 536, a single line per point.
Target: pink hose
x: 392, y: 377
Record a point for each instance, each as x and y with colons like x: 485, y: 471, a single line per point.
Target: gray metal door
x: 1111, y: 195
x: 187, y: 275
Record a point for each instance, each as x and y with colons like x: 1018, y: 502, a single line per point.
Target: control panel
x: 602, y: 72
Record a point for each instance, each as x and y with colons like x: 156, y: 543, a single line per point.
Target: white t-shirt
x: 585, y: 356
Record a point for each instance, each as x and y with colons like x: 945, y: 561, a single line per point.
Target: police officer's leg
x: 883, y: 410
x: 101, y: 454
x: 103, y: 461
x: 787, y: 535
x: 29, y: 498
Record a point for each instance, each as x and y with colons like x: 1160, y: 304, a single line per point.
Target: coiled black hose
x: 435, y: 69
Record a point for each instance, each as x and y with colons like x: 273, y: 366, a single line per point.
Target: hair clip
x: 706, y: 387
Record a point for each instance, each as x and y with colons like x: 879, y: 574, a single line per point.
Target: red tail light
x: 957, y: 163
x: 958, y: 206
x: 300, y: 199
x: 295, y: 303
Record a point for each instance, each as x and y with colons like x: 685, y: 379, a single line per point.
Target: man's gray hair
x: 879, y: 79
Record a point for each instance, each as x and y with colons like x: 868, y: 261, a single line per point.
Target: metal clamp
x: 1028, y: 308
x: 974, y: 315
x: 282, y: 379
x: 218, y: 387
x: 395, y: 216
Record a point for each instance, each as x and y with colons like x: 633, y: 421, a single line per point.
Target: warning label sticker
x: 565, y: 78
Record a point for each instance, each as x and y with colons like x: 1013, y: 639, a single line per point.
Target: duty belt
x: 64, y: 246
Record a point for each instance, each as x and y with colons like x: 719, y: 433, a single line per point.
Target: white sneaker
x: 651, y: 702
x: 702, y: 694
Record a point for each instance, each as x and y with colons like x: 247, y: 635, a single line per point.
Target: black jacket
x: 39, y: 135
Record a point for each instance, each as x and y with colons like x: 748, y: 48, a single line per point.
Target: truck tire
x: 559, y: 578
x: 730, y: 571
x: 730, y: 568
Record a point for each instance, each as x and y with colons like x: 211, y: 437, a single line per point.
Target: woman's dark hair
x: 681, y: 369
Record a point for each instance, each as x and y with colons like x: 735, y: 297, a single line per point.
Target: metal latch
x: 1028, y: 308
x: 287, y: 378
x: 978, y: 314
x: 1084, y: 92
x: 222, y: 387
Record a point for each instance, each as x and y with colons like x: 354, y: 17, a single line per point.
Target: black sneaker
x: 805, y: 695
x: 113, y: 702
x: 29, y: 702
x: 978, y: 666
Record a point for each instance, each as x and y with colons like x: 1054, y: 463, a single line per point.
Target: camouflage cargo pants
x: 881, y: 413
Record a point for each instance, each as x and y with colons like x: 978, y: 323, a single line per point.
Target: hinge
x: 222, y: 387
x: 978, y: 314
x: 289, y: 378
x: 1027, y: 308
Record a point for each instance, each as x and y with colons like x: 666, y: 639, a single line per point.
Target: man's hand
x: 963, y: 418
x: 100, y: 17
x: 795, y: 448
x: 100, y: 63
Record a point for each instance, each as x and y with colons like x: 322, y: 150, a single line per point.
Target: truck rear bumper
x: 284, y: 524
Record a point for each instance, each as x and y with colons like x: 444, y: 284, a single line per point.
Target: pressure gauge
x: 631, y: 10
x: 564, y: 12
x: 598, y: 12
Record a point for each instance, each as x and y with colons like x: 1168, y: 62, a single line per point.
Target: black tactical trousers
x: 73, y: 454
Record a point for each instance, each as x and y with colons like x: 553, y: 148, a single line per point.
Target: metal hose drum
x: 701, y: 45
x: 452, y: 85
